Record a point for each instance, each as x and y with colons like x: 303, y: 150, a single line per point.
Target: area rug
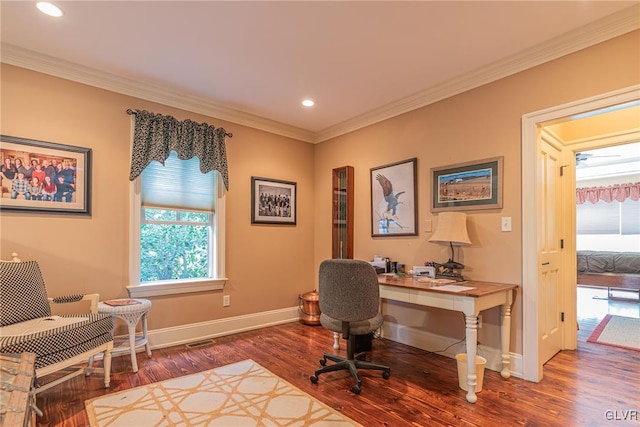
x: 239, y: 394
x: 617, y: 331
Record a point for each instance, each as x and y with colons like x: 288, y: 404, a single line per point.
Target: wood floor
x: 596, y: 385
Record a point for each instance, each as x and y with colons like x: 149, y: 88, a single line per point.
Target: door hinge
x: 561, y: 243
x: 562, y: 316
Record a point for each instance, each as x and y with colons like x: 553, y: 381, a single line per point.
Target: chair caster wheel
x: 355, y: 389
x: 323, y: 362
x: 313, y: 379
x: 386, y: 375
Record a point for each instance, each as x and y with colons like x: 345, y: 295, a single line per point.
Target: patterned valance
x: 155, y: 136
x: 619, y: 192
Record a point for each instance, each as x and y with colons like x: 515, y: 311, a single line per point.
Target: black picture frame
x: 76, y: 173
x: 394, y: 199
x: 468, y: 186
x: 273, y: 201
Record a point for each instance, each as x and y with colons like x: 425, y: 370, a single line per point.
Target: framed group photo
x: 273, y: 201
x: 467, y: 186
x: 394, y: 199
x: 44, y: 177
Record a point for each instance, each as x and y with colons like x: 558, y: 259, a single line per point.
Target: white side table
x: 131, y: 310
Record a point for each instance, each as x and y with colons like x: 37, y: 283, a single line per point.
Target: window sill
x: 173, y: 288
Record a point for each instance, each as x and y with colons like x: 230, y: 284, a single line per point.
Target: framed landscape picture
x: 394, y: 204
x: 44, y: 177
x: 467, y: 186
x: 273, y: 201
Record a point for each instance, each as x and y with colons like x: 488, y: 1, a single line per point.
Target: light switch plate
x: 506, y: 223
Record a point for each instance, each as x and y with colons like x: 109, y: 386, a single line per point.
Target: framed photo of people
x: 44, y: 177
x: 273, y: 201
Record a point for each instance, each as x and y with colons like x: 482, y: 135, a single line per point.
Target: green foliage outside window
x: 170, y: 251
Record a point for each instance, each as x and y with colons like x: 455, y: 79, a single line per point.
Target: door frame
x: 531, y: 124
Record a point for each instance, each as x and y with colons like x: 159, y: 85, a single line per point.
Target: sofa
x: 613, y: 270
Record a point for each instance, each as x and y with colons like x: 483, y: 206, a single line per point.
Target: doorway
x: 534, y: 310
x: 604, y: 227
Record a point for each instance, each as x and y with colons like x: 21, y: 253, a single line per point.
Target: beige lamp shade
x: 452, y: 228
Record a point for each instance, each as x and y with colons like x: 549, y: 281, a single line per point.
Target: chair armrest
x: 92, y: 298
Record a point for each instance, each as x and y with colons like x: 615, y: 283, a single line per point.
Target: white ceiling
x: 254, y: 62
x: 617, y: 160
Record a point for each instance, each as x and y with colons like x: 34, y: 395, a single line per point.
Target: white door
x: 549, y: 250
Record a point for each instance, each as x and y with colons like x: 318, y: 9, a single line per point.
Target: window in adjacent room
x: 176, y: 237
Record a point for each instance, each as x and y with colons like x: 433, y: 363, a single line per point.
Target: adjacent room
x: 319, y: 213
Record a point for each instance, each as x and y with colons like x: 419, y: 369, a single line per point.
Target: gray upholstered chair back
x: 348, y: 290
x: 22, y: 292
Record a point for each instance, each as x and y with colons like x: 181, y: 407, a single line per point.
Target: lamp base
x: 448, y: 271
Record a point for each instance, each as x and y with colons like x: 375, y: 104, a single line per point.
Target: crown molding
x: 90, y: 76
x: 599, y: 31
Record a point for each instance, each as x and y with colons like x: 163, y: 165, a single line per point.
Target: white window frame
x: 142, y: 290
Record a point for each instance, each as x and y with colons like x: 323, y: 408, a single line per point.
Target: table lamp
x: 451, y: 229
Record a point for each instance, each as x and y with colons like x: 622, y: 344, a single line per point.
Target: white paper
x: 453, y: 288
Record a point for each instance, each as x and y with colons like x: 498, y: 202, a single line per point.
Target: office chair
x: 349, y: 304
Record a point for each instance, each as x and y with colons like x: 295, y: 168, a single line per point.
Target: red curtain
x: 619, y: 192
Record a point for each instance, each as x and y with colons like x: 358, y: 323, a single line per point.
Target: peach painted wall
x: 90, y: 254
x: 478, y: 124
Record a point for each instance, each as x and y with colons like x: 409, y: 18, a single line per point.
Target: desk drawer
x: 395, y: 293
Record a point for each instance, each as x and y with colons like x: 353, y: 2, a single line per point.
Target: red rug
x: 617, y: 331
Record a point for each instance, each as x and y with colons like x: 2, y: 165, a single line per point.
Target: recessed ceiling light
x: 308, y: 103
x: 49, y: 8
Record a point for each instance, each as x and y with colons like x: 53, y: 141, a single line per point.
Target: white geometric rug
x: 239, y: 394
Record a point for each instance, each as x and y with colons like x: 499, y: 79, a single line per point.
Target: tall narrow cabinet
x: 342, y: 227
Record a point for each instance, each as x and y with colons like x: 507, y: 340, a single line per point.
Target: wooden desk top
x: 423, y: 283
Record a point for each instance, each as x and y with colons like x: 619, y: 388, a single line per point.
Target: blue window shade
x: 178, y: 184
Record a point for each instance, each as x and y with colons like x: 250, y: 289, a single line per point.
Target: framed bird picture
x: 394, y: 199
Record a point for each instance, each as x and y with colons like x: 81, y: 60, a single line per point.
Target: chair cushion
x: 57, y: 338
x: 22, y: 292
x: 361, y: 327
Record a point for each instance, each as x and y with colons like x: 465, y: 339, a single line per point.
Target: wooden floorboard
x: 578, y: 389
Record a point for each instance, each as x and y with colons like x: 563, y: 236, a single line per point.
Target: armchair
x: 59, y: 342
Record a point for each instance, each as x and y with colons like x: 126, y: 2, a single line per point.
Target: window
x: 176, y: 229
x: 174, y: 244
x: 608, y: 218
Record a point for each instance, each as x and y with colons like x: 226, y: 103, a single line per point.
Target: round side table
x: 131, y: 311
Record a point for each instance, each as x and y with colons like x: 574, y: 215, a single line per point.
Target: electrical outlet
x: 479, y: 321
x: 226, y: 300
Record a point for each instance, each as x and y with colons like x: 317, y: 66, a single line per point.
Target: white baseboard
x: 447, y: 346
x: 183, y: 334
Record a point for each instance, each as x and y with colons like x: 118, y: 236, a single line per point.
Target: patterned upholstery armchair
x: 59, y: 342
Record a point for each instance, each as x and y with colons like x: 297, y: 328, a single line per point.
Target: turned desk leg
x: 336, y: 340
x: 472, y: 349
x: 505, y: 332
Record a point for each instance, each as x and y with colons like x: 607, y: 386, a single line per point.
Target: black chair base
x: 350, y: 363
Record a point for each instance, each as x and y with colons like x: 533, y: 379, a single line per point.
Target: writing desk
x: 471, y: 302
